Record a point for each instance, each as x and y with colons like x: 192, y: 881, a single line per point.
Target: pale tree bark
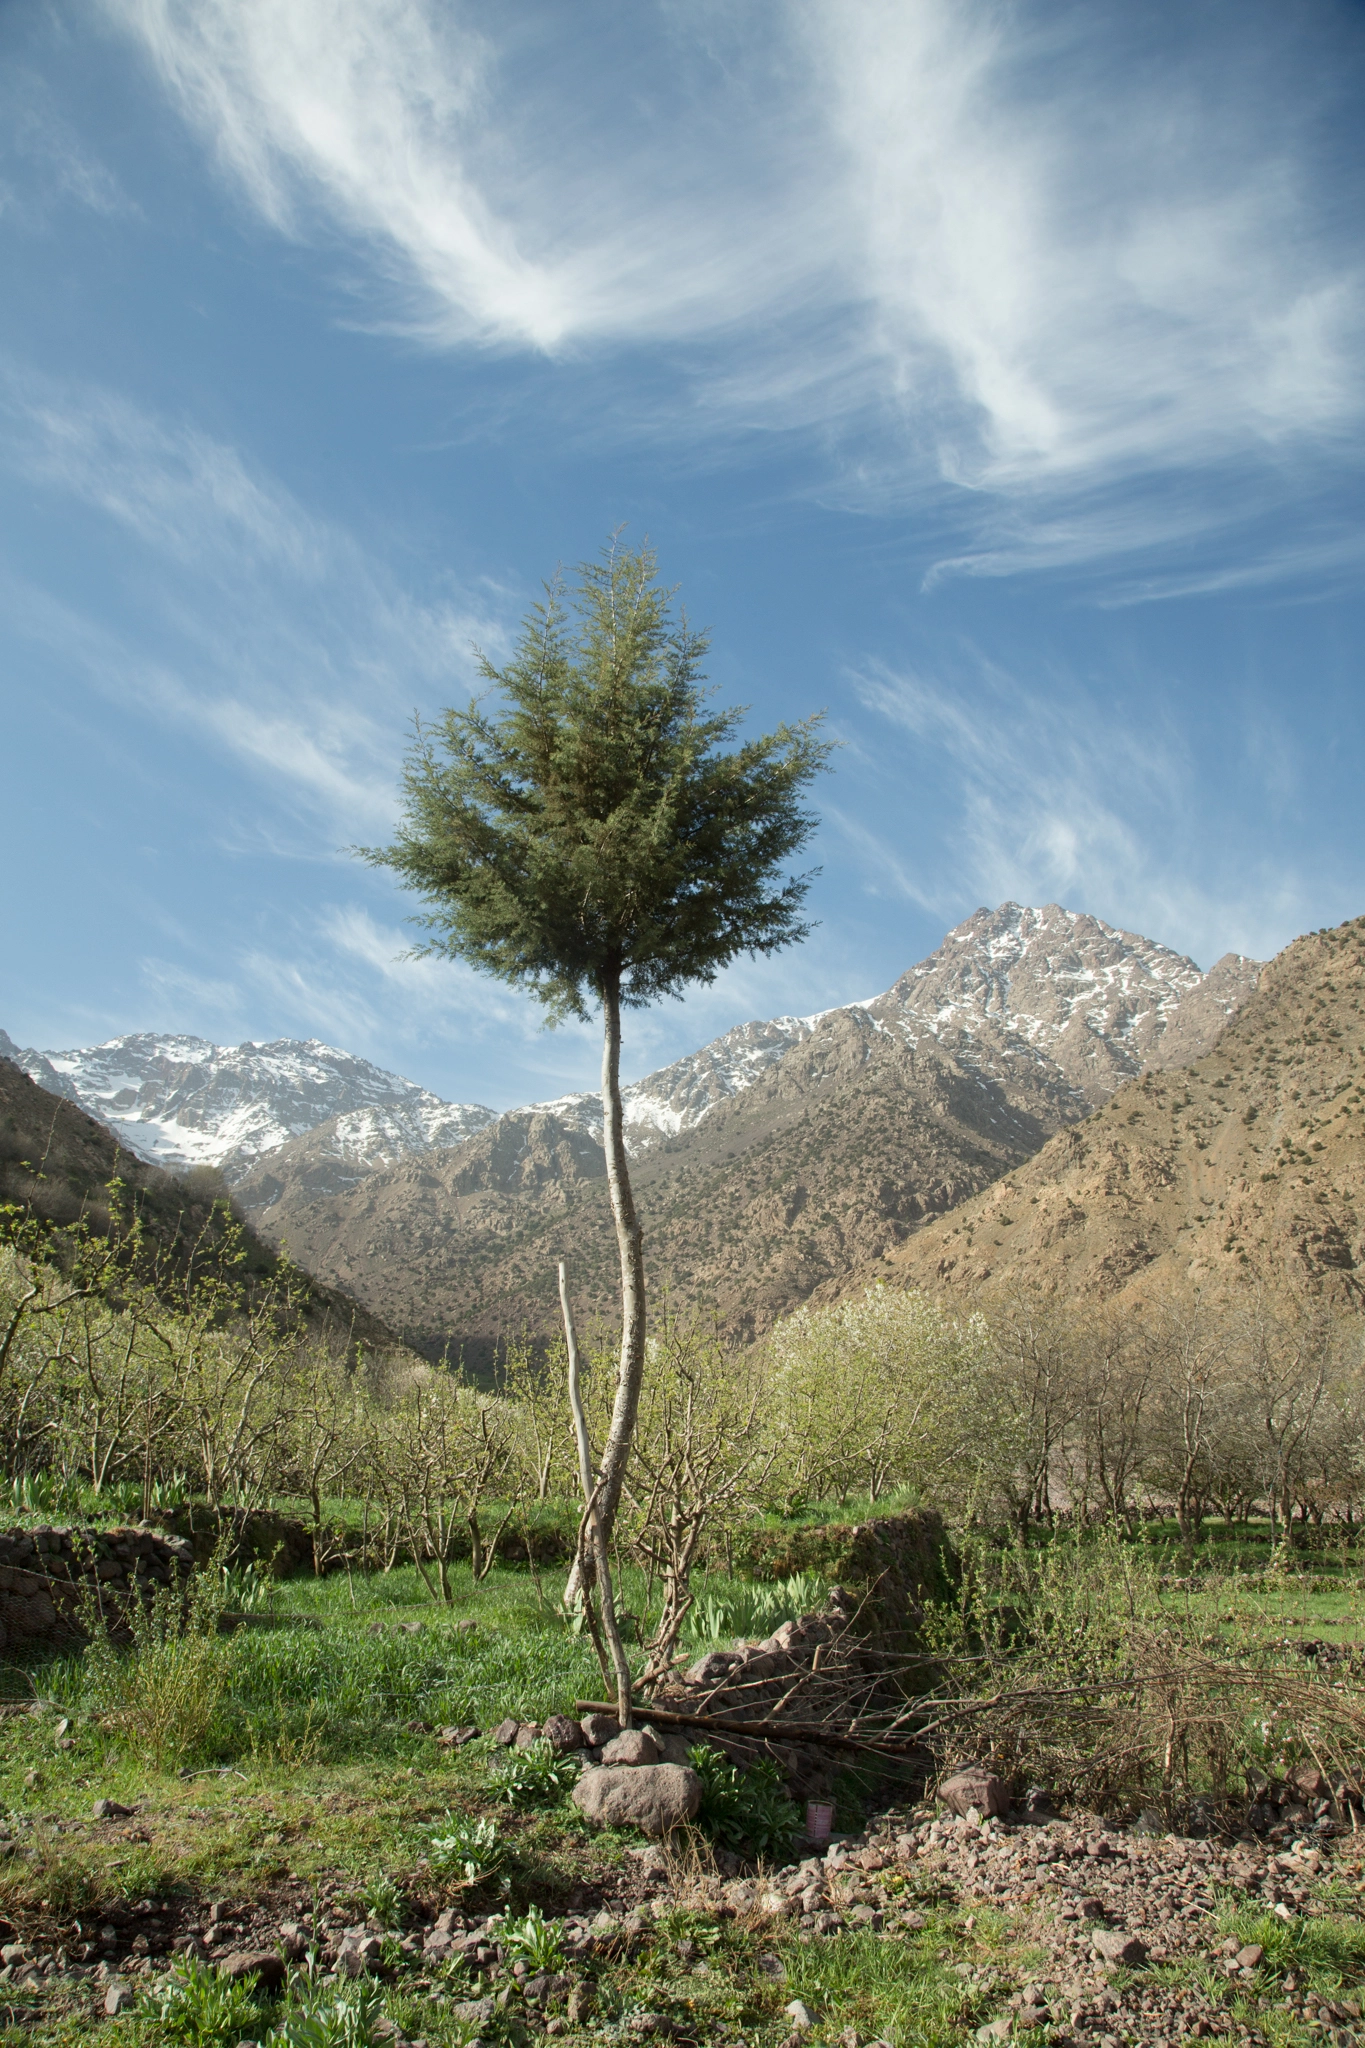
x: 592, y: 1559
x: 630, y: 1245
x: 605, y: 1497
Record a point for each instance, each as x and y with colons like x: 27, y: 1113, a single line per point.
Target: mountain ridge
x: 873, y: 1117
x: 1098, y: 999
x: 1247, y: 1162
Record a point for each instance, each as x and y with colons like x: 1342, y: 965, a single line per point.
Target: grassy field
x: 295, y: 1768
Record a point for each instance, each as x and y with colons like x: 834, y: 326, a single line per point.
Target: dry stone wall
x: 52, y: 1579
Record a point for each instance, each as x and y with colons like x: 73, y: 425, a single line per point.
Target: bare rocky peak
x: 1095, y: 999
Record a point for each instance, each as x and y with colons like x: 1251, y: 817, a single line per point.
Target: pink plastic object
x: 819, y: 1820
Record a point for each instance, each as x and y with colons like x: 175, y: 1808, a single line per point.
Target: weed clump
x: 468, y: 1851
x: 745, y: 1811
x: 200, y: 2009
x: 163, y: 1696
x: 536, y: 1776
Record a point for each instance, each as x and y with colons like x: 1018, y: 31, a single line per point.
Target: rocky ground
x: 1119, y: 1926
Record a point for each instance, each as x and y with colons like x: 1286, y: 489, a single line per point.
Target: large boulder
x: 655, y: 1798
x: 632, y: 1746
x: 977, y: 1788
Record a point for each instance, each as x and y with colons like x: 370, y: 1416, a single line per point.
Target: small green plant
x: 753, y: 1609
x: 163, y: 1697
x: 534, y: 1939
x: 246, y: 1588
x: 535, y: 1776
x: 201, y: 2009
x: 383, y: 1901
x: 468, y: 1850
x: 323, y: 2016
x: 747, y: 1811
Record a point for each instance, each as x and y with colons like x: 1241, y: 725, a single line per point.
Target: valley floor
x: 309, y: 1823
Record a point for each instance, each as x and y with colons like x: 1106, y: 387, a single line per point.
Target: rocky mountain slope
x: 791, y: 1162
x: 179, y: 1101
x: 56, y: 1163
x: 1247, y: 1162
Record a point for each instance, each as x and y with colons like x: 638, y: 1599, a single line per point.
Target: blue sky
x: 992, y: 375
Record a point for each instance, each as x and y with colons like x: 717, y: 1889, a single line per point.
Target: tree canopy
x: 589, y: 835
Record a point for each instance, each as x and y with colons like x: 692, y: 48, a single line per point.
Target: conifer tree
x: 588, y: 835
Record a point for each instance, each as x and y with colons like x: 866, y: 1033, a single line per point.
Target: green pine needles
x: 592, y: 838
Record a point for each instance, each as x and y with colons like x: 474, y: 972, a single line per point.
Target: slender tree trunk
x: 630, y: 1244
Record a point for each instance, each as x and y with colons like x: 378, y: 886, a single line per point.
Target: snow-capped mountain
x: 1096, y: 1002
x: 180, y: 1101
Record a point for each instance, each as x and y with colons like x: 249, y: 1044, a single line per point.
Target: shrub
x: 534, y: 1776
x: 164, y: 1695
x: 748, y: 1811
x: 468, y: 1851
x: 198, y: 2007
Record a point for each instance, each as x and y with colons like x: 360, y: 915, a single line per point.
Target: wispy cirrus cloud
x: 1035, y: 270
x: 180, y: 491
x: 278, y: 638
x: 1054, y: 793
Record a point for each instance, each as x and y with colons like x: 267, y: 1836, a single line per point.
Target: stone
x: 800, y: 2015
x: 109, y: 1809
x: 711, y: 1669
x: 1090, y: 1909
x: 1114, y: 1945
x: 599, y: 1729
x: 582, y: 1999
x: 456, y: 1738
x: 1247, y: 1958
x: 527, y: 1734
x: 254, y: 1965
x: 293, y: 1939
x: 634, y: 1746
x: 776, y: 1906
x: 505, y: 1734
x: 563, y: 1734
x: 769, y: 1966
x: 975, y: 1787
x: 654, y: 1797
x: 473, y: 2012
x: 119, y: 1998
x: 995, y: 2030
x: 674, y: 1746
x: 358, y: 1953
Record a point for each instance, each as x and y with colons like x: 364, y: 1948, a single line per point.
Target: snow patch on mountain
x: 1054, y: 984
x: 180, y: 1101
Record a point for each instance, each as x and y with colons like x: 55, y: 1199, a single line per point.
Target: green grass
x: 315, y: 1777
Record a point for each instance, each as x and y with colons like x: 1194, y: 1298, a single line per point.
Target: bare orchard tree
x: 449, y: 1458
x: 699, y: 1461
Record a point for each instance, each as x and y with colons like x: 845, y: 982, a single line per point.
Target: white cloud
x: 1017, y: 256
x: 1056, y: 796
x: 36, y: 137
x: 276, y: 636
x: 182, y: 493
